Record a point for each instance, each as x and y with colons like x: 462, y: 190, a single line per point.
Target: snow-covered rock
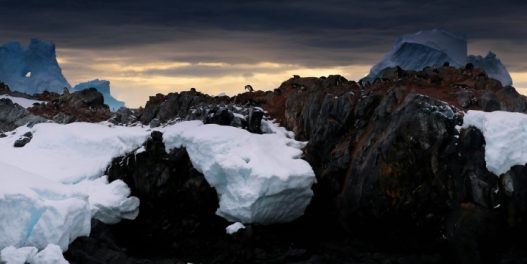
x: 234, y: 228
x: 259, y: 178
x: 434, y: 48
x: 492, y: 66
x: 24, y: 102
x: 53, y: 186
x: 103, y: 87
x: 505, y: 136
x: 33, y: 69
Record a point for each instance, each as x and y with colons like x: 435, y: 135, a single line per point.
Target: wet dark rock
x: 254, y: 120
x: 23, y: 140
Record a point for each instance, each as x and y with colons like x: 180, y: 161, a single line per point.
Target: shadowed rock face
x: 397, y: 182
x: 13, y: 115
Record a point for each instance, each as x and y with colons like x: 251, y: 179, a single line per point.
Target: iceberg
x: 33, y: 69
x: 103, y: 87
x: 434, y: 48
x: 493, y: 67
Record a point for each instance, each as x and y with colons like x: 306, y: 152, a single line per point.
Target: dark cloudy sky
x: 144, y: 47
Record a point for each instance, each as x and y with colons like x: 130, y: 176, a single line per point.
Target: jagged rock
x: 13, y: 115
x: 103, y: 86
x: 23, y: 140
x: 219, y: 115
x: 82, y: 106
x: 254, y: 120
x: 124, y: 116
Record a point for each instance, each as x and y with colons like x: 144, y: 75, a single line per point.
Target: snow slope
x: 505, y: 136
x: 434, y: 48
x: 259, y: 178
x: 24, y: 102
x: 33, y: 69
x: 103, y: 87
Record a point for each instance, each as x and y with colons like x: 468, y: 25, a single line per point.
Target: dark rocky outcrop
x: 397, y: 180
x: 191, y: 105
x: 13, y: 115
x: 82, y: 106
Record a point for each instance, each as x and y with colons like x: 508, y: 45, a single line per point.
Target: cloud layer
x: 161, y: 45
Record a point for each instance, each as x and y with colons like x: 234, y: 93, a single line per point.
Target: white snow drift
x: 53, y: 186
x: 259, y: 178
x: 505, y: 136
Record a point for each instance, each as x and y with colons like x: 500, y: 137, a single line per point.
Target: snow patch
x: 505, y: 136
x: 234, y: 228
x: 24, y: 102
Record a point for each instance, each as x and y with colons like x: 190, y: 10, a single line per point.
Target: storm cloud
x: 305, y: 34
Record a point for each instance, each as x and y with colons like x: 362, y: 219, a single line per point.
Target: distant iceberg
x: 434, y: 48
x: 103, y: 86
x: 493, y: 67
x: 33, y: 69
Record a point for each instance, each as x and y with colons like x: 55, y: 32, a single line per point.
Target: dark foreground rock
x: 397, y: 180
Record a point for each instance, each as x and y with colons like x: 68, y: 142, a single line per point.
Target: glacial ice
x: 33, y: 69
x: 505, y: 136
x: 434, y: 48
x: 103, y: 87
x: 259, y: 178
